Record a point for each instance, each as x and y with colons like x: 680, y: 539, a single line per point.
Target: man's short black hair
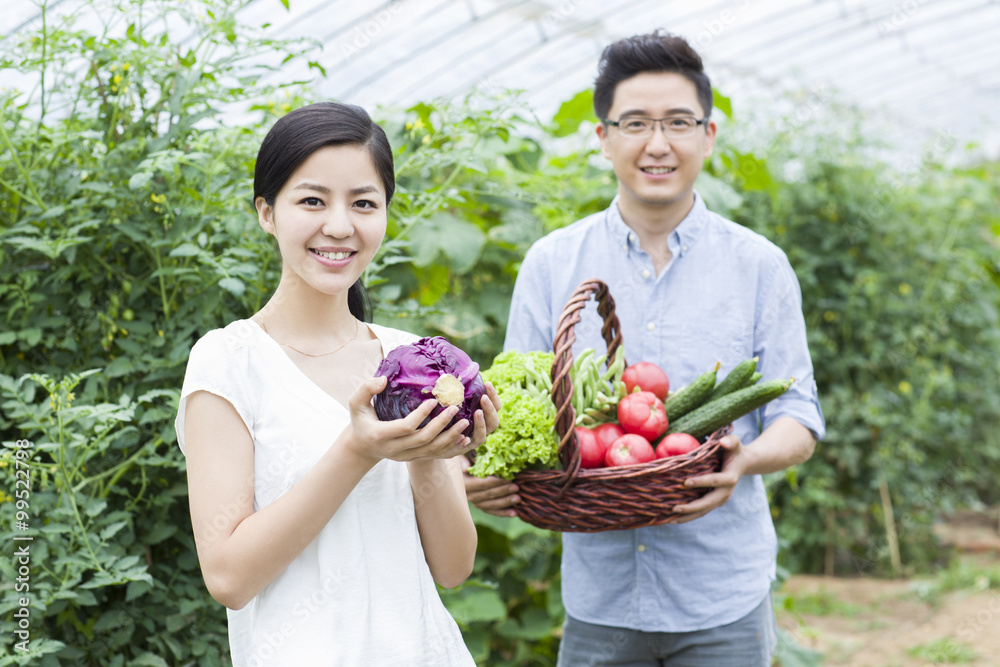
x: 654, y: 52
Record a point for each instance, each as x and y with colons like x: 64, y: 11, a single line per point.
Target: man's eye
x: 681, y: 122
x: 634, y: 124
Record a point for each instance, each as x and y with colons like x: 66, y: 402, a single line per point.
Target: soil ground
x: 865, y: 622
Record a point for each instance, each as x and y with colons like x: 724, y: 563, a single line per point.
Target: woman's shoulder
x: 224, y: 342
x: 392, y: 337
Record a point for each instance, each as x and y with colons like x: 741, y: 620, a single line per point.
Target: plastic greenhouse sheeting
x: 930, y: 66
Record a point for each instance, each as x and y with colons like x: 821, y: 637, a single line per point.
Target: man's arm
x: 791, y: 422
x: 782, y: 444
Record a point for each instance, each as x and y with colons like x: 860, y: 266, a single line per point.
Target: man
x: 691, y: 288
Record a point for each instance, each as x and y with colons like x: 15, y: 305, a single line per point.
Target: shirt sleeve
x: 216, y: 365
x: 529, y: 324
x: 783, y: 350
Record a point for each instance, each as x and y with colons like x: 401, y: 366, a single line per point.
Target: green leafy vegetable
x: 526, y: 435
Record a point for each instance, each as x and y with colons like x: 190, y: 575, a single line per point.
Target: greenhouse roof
x: 930, y: 66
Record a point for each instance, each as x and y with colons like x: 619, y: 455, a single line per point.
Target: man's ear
x: 602, y: 134
x: 265, y: 215
x: 709, y: 139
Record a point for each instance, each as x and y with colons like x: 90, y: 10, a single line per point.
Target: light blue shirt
x: 728, y: 294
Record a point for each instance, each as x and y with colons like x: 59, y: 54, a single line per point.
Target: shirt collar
x: 681, y: 239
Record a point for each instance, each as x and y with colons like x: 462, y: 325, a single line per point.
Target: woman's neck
x: 298, y: 315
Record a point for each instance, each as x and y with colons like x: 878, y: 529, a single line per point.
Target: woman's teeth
x: 333, y: 255
x: 658, y: 170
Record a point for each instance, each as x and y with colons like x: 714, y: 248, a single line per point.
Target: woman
x: 304, y: 519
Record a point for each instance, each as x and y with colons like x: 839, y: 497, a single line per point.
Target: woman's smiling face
x: 329, y: 218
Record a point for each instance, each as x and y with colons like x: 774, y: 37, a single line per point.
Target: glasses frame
x: 657, y: 121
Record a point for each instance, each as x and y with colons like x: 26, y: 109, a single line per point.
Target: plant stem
x: 20, y: 167
x: 71, y: 493
x: 890, y: 524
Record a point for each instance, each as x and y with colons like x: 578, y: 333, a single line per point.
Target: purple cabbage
x: 429, y: 368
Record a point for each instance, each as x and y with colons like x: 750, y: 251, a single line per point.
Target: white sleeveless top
x: 361, y: 594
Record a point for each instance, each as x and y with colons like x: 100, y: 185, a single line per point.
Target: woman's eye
x: 365, y: 203
x: 312, y: 201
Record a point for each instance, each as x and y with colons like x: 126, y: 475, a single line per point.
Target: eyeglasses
x: 674, y: 127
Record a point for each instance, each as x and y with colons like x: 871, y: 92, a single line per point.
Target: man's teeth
x: 658, y: 170
x: 333, y: 255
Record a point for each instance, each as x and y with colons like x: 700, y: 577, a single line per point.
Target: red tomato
x: 676, y: 444
x: 643, y: 413
x: 592, y: 449
x: 648, y: 377
x: 608, y: 433
x: 629, y: 450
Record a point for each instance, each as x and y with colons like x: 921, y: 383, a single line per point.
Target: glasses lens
x: 681, y: 126
x: 635, y: 127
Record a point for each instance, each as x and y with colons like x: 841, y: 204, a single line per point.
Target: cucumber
x: 691, y: 396
x: 754, y: 379
x: 716, y: 414
x: 737, y: 379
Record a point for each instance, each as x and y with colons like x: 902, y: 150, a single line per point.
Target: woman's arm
x: 446, y: 529
x: 242, y: 551
x: 443, y: 519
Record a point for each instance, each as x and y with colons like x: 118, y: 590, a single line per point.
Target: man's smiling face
x: 653, y: 171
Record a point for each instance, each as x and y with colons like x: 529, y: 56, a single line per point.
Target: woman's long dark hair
x: 304, y: 131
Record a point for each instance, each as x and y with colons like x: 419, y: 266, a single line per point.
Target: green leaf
x: 148, y: 659
x: 234, y: 286
x: 139, y: 180
x: 185, y: 250
x: 477, y: 604
x: 722, y: 103
x: 112, y: 530
x: 444, y: 234
x: 572, y: 112
x: 790, y: 654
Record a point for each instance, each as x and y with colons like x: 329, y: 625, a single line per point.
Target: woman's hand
x: 486, y: 419
x: 403, y: 439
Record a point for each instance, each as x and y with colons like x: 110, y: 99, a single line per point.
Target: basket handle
x: 562, y: 385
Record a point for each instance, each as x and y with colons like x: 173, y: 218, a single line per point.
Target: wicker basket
x: 577, y: 499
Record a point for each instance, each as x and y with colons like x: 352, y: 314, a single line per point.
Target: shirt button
x: 651, y: 326
x: 631, y: 237
x: 645, y: 274
x: 684, y: 248
x: 642, y: 547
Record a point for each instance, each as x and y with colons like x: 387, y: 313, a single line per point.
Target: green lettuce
x: 526, y: 436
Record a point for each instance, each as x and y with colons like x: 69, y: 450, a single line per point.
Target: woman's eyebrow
x: 360, y: 190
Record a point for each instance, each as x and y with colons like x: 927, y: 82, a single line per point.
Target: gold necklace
x: 306, y: 354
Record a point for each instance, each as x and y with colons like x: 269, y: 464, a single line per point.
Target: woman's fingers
x: 361, y: 397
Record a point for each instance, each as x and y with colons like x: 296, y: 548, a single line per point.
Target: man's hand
x: 734, y: 465
x: 493, y: 495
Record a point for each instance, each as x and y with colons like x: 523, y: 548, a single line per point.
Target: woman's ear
x: 265, y: 215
